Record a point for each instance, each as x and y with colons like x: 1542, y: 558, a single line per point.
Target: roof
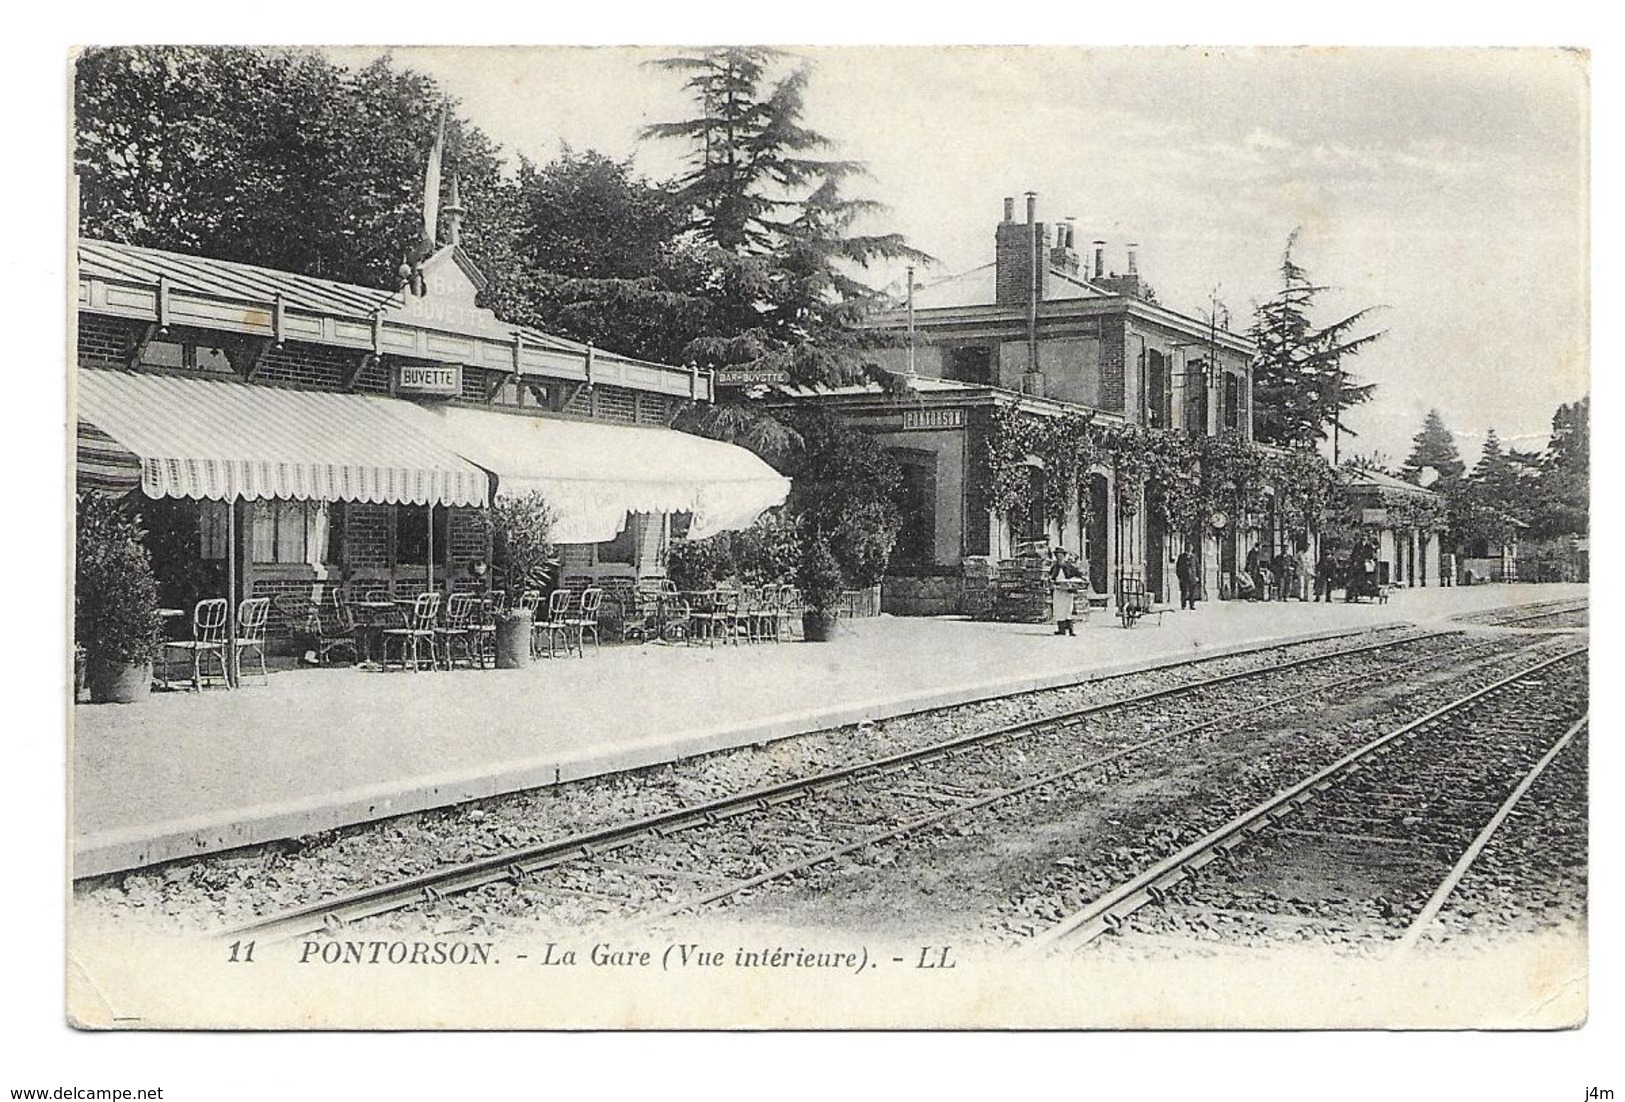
x: 1383, y: 481
x: 224, y: 439
x: 229, y: 279
x: 920, y: 384
x: 977, y: 288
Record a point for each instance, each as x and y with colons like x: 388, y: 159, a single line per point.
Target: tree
x: 1434, y: 446
x: 269, y: 156
x: 1301, y: 381
x: 1562, y: 498
x: 596, y: 254
x: 768, y: 219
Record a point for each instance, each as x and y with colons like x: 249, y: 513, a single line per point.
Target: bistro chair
x: 419, y: 629
x: 714, y: 612
x: 252, y: 615
x: 460, y: 627
x: 586, y: 619
x: 791, y: 608
x: 768, y: 619
x: 208, y: 637
x: 556, y: 623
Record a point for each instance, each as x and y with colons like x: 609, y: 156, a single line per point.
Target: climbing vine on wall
x: 1412, y: 511
x: 1061, y: 449
x: 1303, y: 483
x: 1182, y: 479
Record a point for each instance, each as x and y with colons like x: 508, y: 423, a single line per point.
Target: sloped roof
x: 1383, y: 481
x: 977, y: 287
x: 229, y: 279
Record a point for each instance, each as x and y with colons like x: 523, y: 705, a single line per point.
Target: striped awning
x: 593, y: 475
x: 201, y: 438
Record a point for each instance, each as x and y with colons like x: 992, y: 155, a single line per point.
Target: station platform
x: 187, y: 773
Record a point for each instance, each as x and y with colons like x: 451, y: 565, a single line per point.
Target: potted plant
x: 521, y: 551
x: 818, y: 576
x: 115, y: 601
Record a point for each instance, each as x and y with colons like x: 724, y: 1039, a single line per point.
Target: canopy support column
x: 231, y: 592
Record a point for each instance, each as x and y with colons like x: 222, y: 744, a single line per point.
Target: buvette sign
x: 441, y: 379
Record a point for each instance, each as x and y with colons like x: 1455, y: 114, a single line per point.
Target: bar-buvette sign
x: 439, y: 379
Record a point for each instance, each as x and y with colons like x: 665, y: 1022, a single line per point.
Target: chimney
x: 1100, y: 258
x: 1064, y: 257
x: 1133, y: 259
x: 454, y: 216
x: 1015, y: 246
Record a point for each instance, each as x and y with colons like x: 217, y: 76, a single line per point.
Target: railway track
x: 1365, y: 851
x: 738, y: 842
x: 1567, y: 613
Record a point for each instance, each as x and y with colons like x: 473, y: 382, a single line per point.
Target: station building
x: 294, y: 433
x: 1403, y: 521
x: 1042, y: 331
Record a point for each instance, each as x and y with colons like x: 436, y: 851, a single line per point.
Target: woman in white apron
x: 1063, y: 576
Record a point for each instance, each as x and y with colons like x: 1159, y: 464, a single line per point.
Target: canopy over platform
x: 593, y: 475
x: 222, y: 440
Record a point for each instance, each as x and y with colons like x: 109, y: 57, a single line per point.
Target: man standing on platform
x: 1185, y: 571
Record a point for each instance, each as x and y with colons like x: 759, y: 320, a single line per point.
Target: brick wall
x: 366, y: 535
x: 103, y: 342
x: 1013, y: 253
x: 1113, y: 362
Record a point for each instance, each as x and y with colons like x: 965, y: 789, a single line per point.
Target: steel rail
x: 1108, y: 911
x: 1435, y: 903
x: 514, y: 864
x: 978, y: 802
x: 1528, y: 612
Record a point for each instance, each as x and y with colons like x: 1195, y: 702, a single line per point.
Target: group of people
x: 1277, y: 578
x: 1262, y: 579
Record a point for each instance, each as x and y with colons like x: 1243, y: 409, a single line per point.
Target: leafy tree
x: 1301, y: 382
x: 596, y: 254
x: 843, y: 492
x: 268, y: 156
x: 1434, y: 446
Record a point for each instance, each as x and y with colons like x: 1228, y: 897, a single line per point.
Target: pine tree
x: 771, y: 222
x: 1301, y: 381
x: 1563, y: 490
x: 1434, y: 446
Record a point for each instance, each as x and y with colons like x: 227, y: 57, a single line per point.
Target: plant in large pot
x: 115, y: 600
x: 521, y: 528
x: 818, y: 576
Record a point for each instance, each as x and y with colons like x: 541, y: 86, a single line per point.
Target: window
x: 412, y: 534
x: 1156, y: 398
x: 291, y: 532
x: 971, y: 364
x: 1232, y: 401
x: 211, y: 518
x: 187, y: 357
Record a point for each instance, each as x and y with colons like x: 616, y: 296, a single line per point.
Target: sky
x: 1445, y: 187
